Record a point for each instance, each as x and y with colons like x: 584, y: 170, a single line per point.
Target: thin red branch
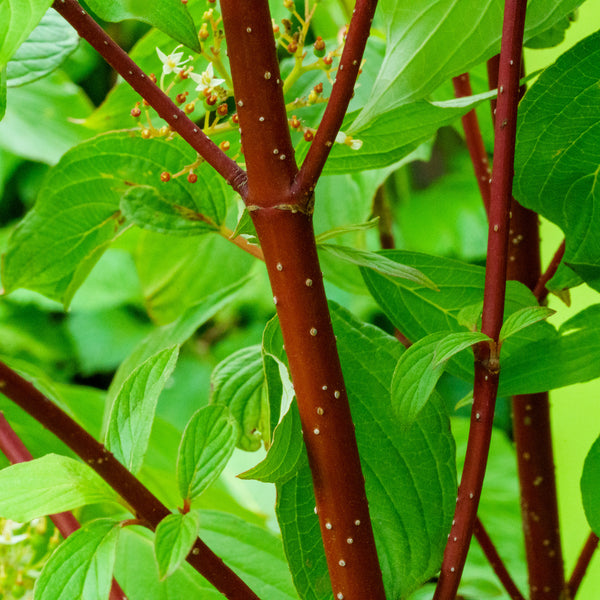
x: 583, y: 562
x: 540, y: 291
x: 15, y: 450
x: 145, y: 505
x: 493, y: 66
x: 532, y: 429
x: 486, y: 364
x: 481, y: 535
x: 475, y: 145
x: 533, y: 438
x: 88, y: 29
x: 341, y: 94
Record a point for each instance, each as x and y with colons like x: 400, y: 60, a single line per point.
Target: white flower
x: 171, y: 63
x: 206, y: 80
x: 342, y: 138
x: 7, y: 536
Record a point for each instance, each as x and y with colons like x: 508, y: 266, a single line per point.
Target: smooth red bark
x: 487, y: 360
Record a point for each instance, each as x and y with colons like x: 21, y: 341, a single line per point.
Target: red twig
x: 141, y: 83
x: 539, y: 505
x: 540, y: 291
x: 533, y: 438
x: 15, y: 450
x: 341, y: 94
x: 145, y: 505
x: 475, y: 145
x: 583, y: 563
x: 481, y: 535
x: 486, y: 364
x: 531, y: 424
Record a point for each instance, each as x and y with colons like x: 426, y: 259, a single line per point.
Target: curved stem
x: 146, y: 506
x: 341, y: 94
x: 242, y: 243
x: 540, y: 291
x: 583, y: 562
x: 486, y: 363
x: 475, y: 145
x: 481, y: 535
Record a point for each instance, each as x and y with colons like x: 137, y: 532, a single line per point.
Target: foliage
x: 129, y: 302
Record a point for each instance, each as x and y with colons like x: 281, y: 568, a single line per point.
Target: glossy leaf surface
x: 48, y: 485
x: 558, y: 153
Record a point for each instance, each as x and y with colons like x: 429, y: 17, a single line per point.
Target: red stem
x: 583, y: 563
x: 540, y: 291
x: 486, y: 364
x: 533, y: 438
x: 260, y: 104
x: 141, y: 83
x: 284, y: 226
x: 145, y: 505
x: 310, y: 345
x: 15, y: 450
x: 532, y: 429
x: 481, y: 535
x: 341, y: 94
x: 479, y: 157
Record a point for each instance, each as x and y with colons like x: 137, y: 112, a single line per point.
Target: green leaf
x: 420, y: 368
x: 253, y: 552
x: 206, y: 446
x: 285, y: 454
x: 418, y: 311
x: 77, y: 213
x: 523, y: 318
x: 377, y: 262
x: 590, y: 487
x: 343, y: 229
x: 278, y: 385
x: 554, y: 35
x: 2, y: 93
x: 237, y: 382
x: 46, y: 48
x: 82, y: 566
x: 394, y: 134
x: 558, y: 152
x: 18, y: 19
x: 176, y: 332
x: 175, y: 536
x: 453, y: 36
x: 145, y: 207
x: 411, y: 493
x: 170, y: 16
x: 49, y: 485
x: 63, y: 105
x: 557, y: 362
x: 132, y: 412
x: 178, y: 272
